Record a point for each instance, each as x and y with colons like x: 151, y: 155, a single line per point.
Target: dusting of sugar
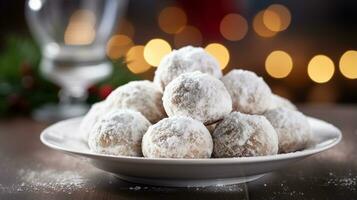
x: 177, y: 137
x: 292, y: 127
x: 349, y: 182
x: 47, y: 181
x: 186, y: 59
x: 250, y: 94
x: 241, y: 135
x: 199, y: 96
x: 143, y: 96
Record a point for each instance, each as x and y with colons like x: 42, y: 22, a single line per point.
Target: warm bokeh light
x: 155, y: 50
x: 272, y: 20
x: 172, y: 19
x: 189, y: 35
x: 278, y: 64
x: 260, y: 28
x: 118, y: 46
x: 220, y: 52
x: 80, y: 29
x: 348, y: 64
x: 320, y: 69
x: 233, y: 27
x: 283, y: 14
x: 126, y: 28
x: 136, y: 61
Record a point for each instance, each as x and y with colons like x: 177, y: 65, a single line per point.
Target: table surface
x: 30, y: 170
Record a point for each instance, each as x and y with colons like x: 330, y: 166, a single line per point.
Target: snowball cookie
x: 142, y: 96
x: 250, y: 94
x: 119, y: 132
x: 186, y: 59
x: 177, y: 137
x: 197, y: 95
x: 292, y: 127
x: 244, y: 135
x: 92, y: 116
x: 281, y: 102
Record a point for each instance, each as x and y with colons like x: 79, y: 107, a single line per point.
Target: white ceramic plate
x: 64, y: 136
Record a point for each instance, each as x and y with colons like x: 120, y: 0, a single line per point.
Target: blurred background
x: 305, y: 50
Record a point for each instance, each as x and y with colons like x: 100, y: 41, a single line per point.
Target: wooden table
x: 30, y: 170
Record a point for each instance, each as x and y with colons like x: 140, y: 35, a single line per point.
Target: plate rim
x: 269, y: 158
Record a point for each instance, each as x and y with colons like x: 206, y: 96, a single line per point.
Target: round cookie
x: 281, y: 102
x: 250, y: 94
x: 92, y: 116
x: 177, y: 137
x: 142, y: 96
x: 186, y: 59
x: 244, y: 135
x: 292, y: 127
x: 197, y: 95
x: 119, y: 132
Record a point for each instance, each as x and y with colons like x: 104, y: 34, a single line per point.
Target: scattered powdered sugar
x: 199, y: 96
x: 211, y: 189
x: 47, y: 181
x: 349, y: 182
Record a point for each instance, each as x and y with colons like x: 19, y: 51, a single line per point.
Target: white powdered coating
x: 50, y: 181
x: 197, y: 95
x: 250, y: 94
x: 244, y: 135
x: 293, y: 129
x: 281, y: 102
x: 119, y: 133
x: 177, y: 137
x: 142, y: 96
x: 186, y: 59
x: 92, y: 116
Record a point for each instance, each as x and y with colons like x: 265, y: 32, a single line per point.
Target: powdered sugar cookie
x: 244, y: 135
x: 177, y: 137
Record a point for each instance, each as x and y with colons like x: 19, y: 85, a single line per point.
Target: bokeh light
x: 233, y: 27
x: 220, y: 52
x: 320, y: 69
x: 271, y: 20
x: 188, y: 35
x: 348, y: 64
x: 260, y: 28
x: 172, y: 19
x: 278, y: 64
x: 277, y: 17
x: 35, y: 5
x: 118, y: 46
x: 135, y: 60
x: 155, y: 50
x: 80, y: 29
x: 126, y: 28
